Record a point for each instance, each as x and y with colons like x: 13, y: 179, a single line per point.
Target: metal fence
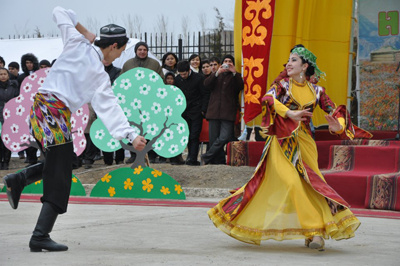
x: 204, y: 44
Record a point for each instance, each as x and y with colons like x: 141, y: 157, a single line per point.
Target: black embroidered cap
x: 112, y: 31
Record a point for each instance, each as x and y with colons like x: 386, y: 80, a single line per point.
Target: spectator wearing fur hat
x: 225, y: 85
x: 142, y: 59
x: 29, y: 64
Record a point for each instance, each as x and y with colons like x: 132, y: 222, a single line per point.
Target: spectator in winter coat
x: 169, y: 62
x: 191, y: 84
x: 2, y: 62
x: 195, y: 63
x: 8, y: 90
x: 44, y: 64
x: 13, y: 68
x: 214, y: 64
x: 169, y: 78
x: 143, y: 60
x: 225, y: 86
x: 29, y: 64
x: 206, y: 69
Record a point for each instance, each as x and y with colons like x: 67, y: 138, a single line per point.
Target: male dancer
x: 76, y: 78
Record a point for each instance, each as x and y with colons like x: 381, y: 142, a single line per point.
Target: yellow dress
x: 283, y: 205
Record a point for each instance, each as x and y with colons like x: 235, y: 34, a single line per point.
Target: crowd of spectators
x: 211, y: 87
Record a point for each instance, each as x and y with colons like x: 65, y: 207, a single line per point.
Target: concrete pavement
x: 152, y: 235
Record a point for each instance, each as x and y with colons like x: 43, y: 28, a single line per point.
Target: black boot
x: 16, y: 182
x: 40, y: 237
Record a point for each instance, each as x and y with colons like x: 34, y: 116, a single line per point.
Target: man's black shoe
x: 193, y: 163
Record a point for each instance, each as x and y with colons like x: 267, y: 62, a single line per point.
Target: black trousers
x: 5, y: 154
x: 57, y: 176
x: 90, y: 151
x: 220, y: 133
x: 108, y: 157
x: 195, y: 126
x: 31, y: 155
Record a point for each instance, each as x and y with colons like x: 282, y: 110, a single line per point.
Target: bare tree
x: 112, y: 19
x: 22, y: 31
x: 37, y: 32
x: 137, y: 24
x: 92, y: 24
x: 229, y: 25
x: 203, y: 21
x: 185, y: 29
x: 162, y: 24
x: 161, y: 30
x: 129, y: 25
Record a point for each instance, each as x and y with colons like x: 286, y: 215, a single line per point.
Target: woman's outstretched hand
x: 334, y: 124
x: 300, y: 115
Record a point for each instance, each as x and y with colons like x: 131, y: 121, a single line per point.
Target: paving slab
x: 155, y: 235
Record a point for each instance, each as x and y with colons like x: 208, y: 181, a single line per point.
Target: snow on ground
x: 50, y: 49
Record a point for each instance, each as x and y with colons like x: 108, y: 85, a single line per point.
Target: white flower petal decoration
x: 100, y: 134
x: 152, y: 129
x: 144, y: 89
x: 168, y: 111
x: 181, y: 128
x: 168, y: 134
x: 162, y: 93
x: 139, y: 74
x: 144, y: 116
x: 156, y: 108
x: 125, y: 84
x: 136, y: 104
x: 158, y: 145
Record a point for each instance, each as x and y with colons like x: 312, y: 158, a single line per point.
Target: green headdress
x: 311, y: 58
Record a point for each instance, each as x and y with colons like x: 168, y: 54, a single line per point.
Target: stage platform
x: 366, y: 173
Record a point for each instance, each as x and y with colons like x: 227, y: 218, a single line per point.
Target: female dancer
x: 287, y: 197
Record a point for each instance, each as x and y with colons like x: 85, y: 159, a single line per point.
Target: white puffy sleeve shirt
x: 78, y: 77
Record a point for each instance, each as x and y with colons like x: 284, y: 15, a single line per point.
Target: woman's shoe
x: 307, y: 242
x: 317, y: 243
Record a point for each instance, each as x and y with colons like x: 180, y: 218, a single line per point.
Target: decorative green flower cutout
x: 153, y: 109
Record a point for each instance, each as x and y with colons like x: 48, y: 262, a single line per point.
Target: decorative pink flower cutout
x: 15, y: 130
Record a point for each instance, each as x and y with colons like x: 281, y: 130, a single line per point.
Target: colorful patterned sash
x: 50, y: 120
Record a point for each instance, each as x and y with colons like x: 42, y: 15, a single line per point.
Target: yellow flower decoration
x: 128, y: 184
x: 38, y: 182
x: 106, y: 178
x: 146, y: 185
x: 178, y: 189
x: 111, y: 191
x: 138, y: 170
x: 156, y: 173
x: 75, y: 180
x: 165, y: 190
